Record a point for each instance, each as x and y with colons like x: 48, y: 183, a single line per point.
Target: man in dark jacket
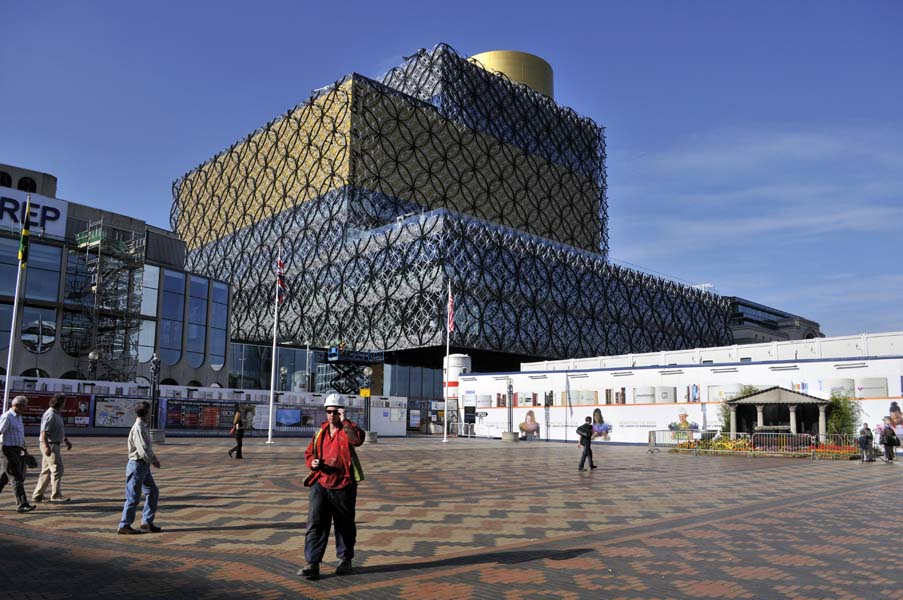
x: 585, y: 432
x: 889, y: 440
x: 865, y: 443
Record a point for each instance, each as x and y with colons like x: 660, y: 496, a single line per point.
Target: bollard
x: 371, y: 437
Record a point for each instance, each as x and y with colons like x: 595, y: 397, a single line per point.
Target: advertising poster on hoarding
x: 529, y: 428
x: 75, y: 409
x: 288, y: 417
x: 181, y: 414
x: 115, y: 412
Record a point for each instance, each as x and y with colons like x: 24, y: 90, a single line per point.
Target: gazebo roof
x: 777, y: 395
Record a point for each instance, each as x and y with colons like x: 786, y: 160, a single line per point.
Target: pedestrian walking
x: 53, y: 434
x: 238, y: 432
x: 585, y: 432
x: 889, y: 440
x: 12, y: 438
x: 866, y: 439
x: 138, y: 477
x: 334, y: 475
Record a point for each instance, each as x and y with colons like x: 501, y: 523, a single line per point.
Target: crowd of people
x: 335, y: 471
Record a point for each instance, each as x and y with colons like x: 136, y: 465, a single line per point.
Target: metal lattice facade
x: 378, y: 193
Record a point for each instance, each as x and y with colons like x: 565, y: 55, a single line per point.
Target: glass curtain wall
x: 78, y: 288
x: 42, y: 278
x: 6, y: 319
x: 249, y: 367
x: 219, y: 322
x: 38, y: 329
x: 172, y: 316
x: 9, y: 265
x: 198, y: 288
x: 75, y: 334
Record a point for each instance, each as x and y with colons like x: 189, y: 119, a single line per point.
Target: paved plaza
x: 467, y: 519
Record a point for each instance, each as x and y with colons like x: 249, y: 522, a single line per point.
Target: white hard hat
x: 335, y: 400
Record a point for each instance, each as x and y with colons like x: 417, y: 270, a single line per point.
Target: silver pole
x: 447, y: 365
x: 274, y: 360
x: 12, y: 338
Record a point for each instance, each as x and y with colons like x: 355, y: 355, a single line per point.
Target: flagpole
x: 447, y: 342
x: 275, y: 358
x: 23, y: 261
x: 12, y: 338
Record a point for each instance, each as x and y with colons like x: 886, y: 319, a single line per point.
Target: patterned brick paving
x: 467, y: 519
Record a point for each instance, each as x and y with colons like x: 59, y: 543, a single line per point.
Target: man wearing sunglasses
x: 334, y: 473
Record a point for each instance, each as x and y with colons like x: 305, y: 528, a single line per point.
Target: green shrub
x: 843, y: 415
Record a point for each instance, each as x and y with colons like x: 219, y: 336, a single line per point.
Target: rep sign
x: 48, y: 215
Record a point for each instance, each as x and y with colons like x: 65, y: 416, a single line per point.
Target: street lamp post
x: 155, y: 382
x: 369, y: 435
x: 510, y: 435
x: 283, y: 377
x: 93, y: 357
x: 307, y: 379
x: 368, y: 375
x: 510, y: 405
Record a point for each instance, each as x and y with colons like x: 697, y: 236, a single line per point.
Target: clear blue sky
x: 755, y: 146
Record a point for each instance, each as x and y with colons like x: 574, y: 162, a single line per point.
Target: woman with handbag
x: 238, y: 432
x: 890, y: 440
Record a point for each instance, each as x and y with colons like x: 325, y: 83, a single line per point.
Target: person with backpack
x: 889, y: 440
x: 334, y: 474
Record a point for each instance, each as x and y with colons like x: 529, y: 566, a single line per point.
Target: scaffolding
x: 111, y: 297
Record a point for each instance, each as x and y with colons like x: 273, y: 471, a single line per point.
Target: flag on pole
x: 23, y: 241
x: 280, y: 280
x: 451, y: 311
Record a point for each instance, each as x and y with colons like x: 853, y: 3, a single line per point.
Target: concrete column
x: 792, y: 408
x: 733, y: 422
x: 822, y: 423
x: 760, y: 415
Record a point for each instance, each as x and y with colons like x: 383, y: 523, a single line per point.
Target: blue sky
x: 755, y: 146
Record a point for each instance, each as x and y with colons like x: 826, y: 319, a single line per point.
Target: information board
x: 75, y: 409
x: 114, y: 412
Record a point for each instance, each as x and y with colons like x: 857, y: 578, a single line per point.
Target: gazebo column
x: 760, y: 415
x: 733, y: 422
x: 792, y: 408
x: 822, y: 424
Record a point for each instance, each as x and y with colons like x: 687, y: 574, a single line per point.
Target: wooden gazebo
x: 781, y: 396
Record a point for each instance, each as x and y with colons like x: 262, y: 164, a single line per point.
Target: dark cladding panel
x: 165, y: 250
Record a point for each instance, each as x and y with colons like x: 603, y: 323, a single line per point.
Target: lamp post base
x: 158, y: 436
x: 509, y: 436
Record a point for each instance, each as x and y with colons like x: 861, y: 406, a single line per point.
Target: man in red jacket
x: 334, y: 473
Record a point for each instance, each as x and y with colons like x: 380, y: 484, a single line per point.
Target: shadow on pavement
x: 29, y: 572
x: 72, y: 507
x: 503, y: 558
x: 248, y: 527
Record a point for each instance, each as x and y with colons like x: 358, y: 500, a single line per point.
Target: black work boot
x: 344, y: 568
x: 311, y: 571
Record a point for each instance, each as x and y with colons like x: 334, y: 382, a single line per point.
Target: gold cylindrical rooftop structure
x: 520, y: 67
